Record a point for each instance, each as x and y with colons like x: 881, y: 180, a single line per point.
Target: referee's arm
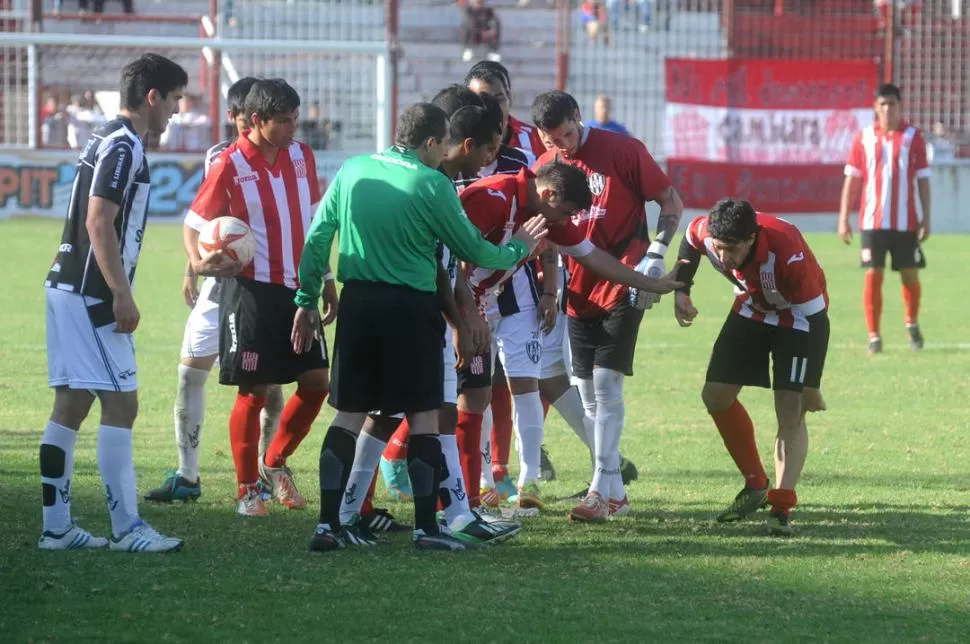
x: 314, y: 264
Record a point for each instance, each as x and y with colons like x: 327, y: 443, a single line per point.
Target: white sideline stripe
x: 931, y: 346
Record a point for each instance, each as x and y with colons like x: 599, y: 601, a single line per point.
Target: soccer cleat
x: 915, y: 336
x: 478, y: 531
x: 505, y: 487
x: 780, y: 525
x: 355, y: 533
x: 508, y: 528
x: 490, y: 497
x: 73, y: 539
x: 528, y: 496
x: 441, y: 541
x: 628, y: 470
x: 546, y: 470
x: 141, y: 537
x: 592, y: 509
x: 619, y: 508
x: 280, y: 481
x: 875, y: 345
x: 396, y: 479
x: 325, y: 539
x: 747, y: 501
x: 380, y: 520
x: 175, y: 488
x: 251, y: 503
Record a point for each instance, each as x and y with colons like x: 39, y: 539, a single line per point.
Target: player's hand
x: 125, y: 312
x: 923, y: 232
x: 217, y: 264
x: 331, y: 302
x: 548, y: 312
x: 684, y: 310
x: 653, y: 267
x: 464, y: 345
x: 532, y: 232
x: 190, y: 288
x: 845, y: 232
x: 481, y: 337
x: 306, y: 328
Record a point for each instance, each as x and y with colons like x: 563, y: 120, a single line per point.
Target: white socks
x: 452, y: 488
x: 528, y: 419
x: 189, y: 411
x: 367, y: 457
x: 56, y: 471
x: 608, y: 385
x: 118, y: 473
x: 488, y: 480
x: 570, y: 407
x: 269, y: 417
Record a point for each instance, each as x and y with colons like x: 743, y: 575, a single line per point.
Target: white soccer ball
x: 230, y: 235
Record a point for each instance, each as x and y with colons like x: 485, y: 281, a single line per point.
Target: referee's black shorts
x: 387, y: 350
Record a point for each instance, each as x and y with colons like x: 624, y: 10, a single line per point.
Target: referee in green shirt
x: 390, y: 209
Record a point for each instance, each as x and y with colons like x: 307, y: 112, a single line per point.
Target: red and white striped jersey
x: 497, y: 205
x: 276, y: 201
x: 781, y: 284
x: 525, y: 138
x: 889, y: 163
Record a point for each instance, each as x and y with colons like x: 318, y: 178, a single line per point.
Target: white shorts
x: 518, y: 340
x: 448, y: 357
x: 201, y: 336
x: 555, y: 350
x: 82, y: 356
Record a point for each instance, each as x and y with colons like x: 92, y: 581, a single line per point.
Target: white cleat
x: 144, y: 538
x: 74, y: 539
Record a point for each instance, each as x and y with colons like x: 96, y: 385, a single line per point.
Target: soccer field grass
x: 882, y: 553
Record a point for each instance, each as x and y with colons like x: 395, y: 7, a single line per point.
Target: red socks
x: 397, y: 447
x: 737, y: 431
x: 782, y: 500
x: 501, y: 425
x: 469, y: 436
x: 911, y: 297
x: 872, y: 300
x: 244, y: 438
x: 295, y: 422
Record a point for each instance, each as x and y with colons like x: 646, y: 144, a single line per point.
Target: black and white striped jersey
x: 112, y: 166
x: 508, y: 161
x: 213, y: 152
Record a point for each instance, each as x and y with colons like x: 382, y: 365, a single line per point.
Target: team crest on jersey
x: 300, y: 166
x: 597, y: 184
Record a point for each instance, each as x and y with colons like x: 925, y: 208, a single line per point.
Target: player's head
x: 495, y: 113
x: 273, y: 106
x: 733, y: 225
x: 556, y: 114
x: 454, y: 97
x: 491, y: 78
x: 473, y: 138
x: 152, y: 86
x: 236, y: 100
x: 887, y: 106
x: 423, y: 127
x: 602, y: 108
x: 563, y: 191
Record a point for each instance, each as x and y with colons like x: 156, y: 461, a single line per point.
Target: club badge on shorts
x: 533, y: 349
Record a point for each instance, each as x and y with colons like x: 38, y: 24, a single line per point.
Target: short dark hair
x: 269, y: 97
x: 236, y: 96
x: 148, y: 72
x: 419, y: 123
x: 732, y: 220
x: 492, y: 107
x: 888, y: 90
x: 454, y: 97
x: 473, y: 123
x: 569, y: 182
x: 552, y: 109
x: 489, y: 71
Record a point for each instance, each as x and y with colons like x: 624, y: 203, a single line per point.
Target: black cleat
x: 875, y: 345
x: 546, y: 471
x: 915, y: 336
x: 628, y: 470
x: 325, y: 539
x: 380, y: 520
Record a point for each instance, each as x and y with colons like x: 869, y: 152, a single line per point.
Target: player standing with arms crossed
x: 781, y: 312
x: 91, y: 313
x: 268, y: 180
x: 888, y: 159
x: 604, y: 317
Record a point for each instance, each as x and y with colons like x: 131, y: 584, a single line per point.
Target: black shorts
x: 902, y: 246
x: 608, y: 341
x: 255, y: 324
x: 477, y: 374
x: 387, y: 350
x: 742, y: 348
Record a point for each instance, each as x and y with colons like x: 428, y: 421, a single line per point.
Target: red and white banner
x: 775, y: 132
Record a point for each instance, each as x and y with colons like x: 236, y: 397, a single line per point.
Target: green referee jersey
x: 390, y: 210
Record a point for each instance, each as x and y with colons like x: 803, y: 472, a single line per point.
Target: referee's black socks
x: 424, y: 469
x: 336, y: 461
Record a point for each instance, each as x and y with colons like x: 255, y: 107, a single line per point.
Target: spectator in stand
x: 940, y: 146
x: 595, y: 21
x: 642, y: 8
x: 54, y: 120
x: 189, y: 130
x: 82, y: 6
x: 479, y: 26
x: 905, y: 15
x: 314, y: 130
x: 84, y: 119
x: 602, y: 109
